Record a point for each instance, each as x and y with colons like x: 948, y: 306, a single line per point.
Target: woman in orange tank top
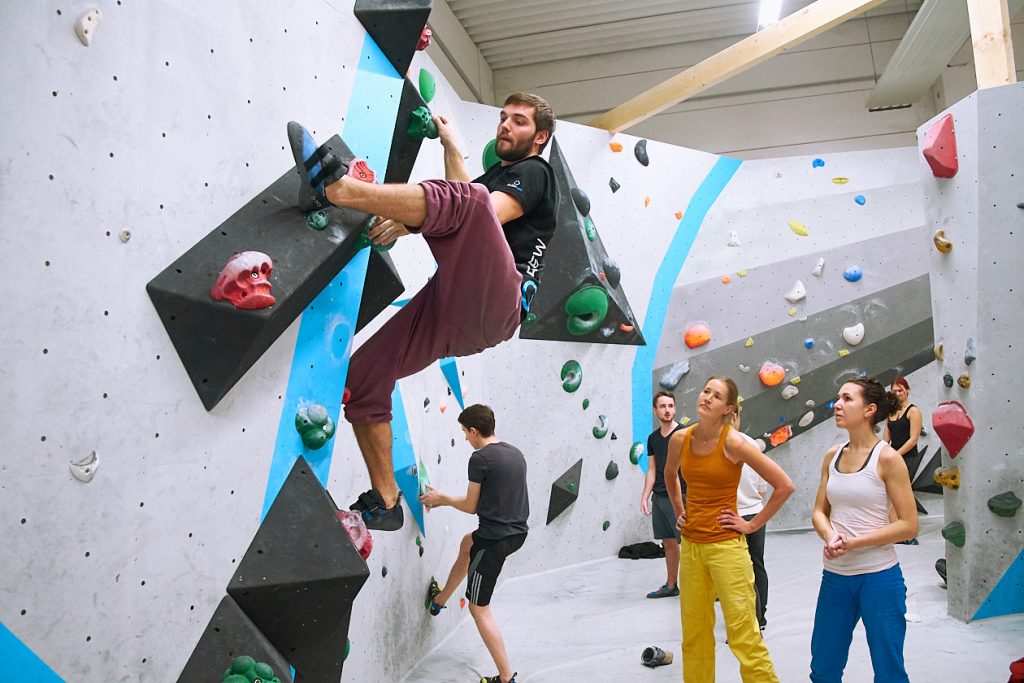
x: 714, y: 558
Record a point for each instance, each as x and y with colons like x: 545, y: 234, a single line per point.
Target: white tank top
x: 860, y: 504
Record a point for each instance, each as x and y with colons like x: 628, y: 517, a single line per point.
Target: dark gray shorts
x: 663, y: 517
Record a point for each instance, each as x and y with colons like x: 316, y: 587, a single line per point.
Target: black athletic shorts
x: 486, y: 558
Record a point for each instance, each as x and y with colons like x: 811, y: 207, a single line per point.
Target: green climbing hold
x: 572, y: 375
x: 490, y: 156
x: 601, y: 428
x: 586, y: 309
x: 955, y: 533
x: 530, y: 319
x: 586, y: 403
x: 419, y: 541
x: 635, y: 451
x: 428, y: 88
x: 1005, y: 504
x: 317, y: 220
x: 245, y: 669
x: 590, y: 228
x: 604, y: 527
x: 314, y: 425
x: 364, y: 240
x: 348, y: 648
x: 421, y: 124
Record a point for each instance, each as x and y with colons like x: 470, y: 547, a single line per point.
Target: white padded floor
x: 591, y: 622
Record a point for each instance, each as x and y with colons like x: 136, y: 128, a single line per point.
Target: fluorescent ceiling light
x: 769, y: 14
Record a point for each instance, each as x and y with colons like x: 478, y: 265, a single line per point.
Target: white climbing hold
x: 761, y: 445
x: 807, y: 419
x: 86, y: 25
x: 819, y: 268
x: 789, y: 392
x: 854, y: 335
x: 809, y: 403
x: 85, y: 469
x: 734, y: 239
x: 744, y: 368
x: 796, y: 292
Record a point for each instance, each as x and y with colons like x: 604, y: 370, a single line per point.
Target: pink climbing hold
x: 360, y: 170
x: 424, y: 41
x: 953, y: 426
x: 362, y: 539
x: 940, y: 148
x: 245, y: 281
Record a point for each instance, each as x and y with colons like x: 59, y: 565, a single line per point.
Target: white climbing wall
x: 977, y: 292
x: 171, y: 120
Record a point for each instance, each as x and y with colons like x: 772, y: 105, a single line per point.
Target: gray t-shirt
x: 504, y: 504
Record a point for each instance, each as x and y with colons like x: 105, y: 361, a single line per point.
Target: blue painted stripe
x: 450, y: 369
x: 1007, y: 596
x: 661, y: 293
x: 324, y: 344
x: 20, y: 663
x: 403, y: 458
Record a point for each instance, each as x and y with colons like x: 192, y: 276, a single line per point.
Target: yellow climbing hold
x: 749, y: 342
x: 798, y: 227
x: 939, y: 355
x: 795, y: 380
x: 647, y: 201
x: 792, y: 311
x: 843, y: 353
x: 739, y: 399
x: 840, y: 181
x: 741, y: 273
x: 685, y: 421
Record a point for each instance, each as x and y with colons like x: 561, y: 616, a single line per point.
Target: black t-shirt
x: 532, y: 183
x: 899, y: 432
x: 504, y: 504
x: 657, y: 447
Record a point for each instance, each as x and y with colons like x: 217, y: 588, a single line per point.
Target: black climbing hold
x: 565, y: 490
x: 421, y: 551
x: 426, y: 402
x: 218, y: 343
x: 383, y: 572
x: 611, y: 271
x: 581, y: 200
x: 641, y: 152
x: 1020, y: 205
x: 611, y: 471
x: 940, y: 568
x: 404, y: 148
x: 613, y: 437
x: 229, y: 632
x: 572, y: 275
x: 300, y: 594
x: 612, y: 183
x: 604, y: 527
x: 948, y: 380
x: 396, y: 26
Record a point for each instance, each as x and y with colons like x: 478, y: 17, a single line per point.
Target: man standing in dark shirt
x: 497, y: 495
x: 488, y: 238
x: 655, y: 501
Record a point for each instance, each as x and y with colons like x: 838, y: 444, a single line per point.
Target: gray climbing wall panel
x: 977, y: 292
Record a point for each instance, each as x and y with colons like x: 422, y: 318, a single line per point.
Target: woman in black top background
x: 903, y: 428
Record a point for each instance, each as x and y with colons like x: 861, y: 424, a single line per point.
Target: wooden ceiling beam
x: 993, y: 46
x: 798, y: 27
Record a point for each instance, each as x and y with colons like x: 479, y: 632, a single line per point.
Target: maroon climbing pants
x: 470, y: 304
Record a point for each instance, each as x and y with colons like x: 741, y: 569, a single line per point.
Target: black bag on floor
x: 641, y: 551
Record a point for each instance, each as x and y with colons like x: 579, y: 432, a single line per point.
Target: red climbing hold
x: 360, y: 170
x: 245, y: 281
x: 346, y: 395
x: 953, y: 426
x: 425, y: 37
x: 940, y: 148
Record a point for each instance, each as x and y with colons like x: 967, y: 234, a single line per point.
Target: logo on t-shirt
x: 515, y: 185
x: 533, y: 266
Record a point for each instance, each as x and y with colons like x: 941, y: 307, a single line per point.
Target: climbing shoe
x: 317, y: 167
x: 376, y: 514
x: 912, y: 541
x: 497, y: 679
x: 664, y: 592
x: 432, y: 590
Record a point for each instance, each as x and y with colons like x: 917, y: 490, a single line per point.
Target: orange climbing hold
x: 726, y: 279
x: 462, y: 603
x: 625, y: 328
x: 696, y: 335
x: 647, y: 201
x: 771, y: 374
x: 679, y: 215
x: 615, y: 146
x: 781, y: 435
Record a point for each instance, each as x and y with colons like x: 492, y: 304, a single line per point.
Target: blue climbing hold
x: 830, y: 405
x: 860, y: 199
x: 809, y: 343
x: 817, y: 163
x: 853, y: 273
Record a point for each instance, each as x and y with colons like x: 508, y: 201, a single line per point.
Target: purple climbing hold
x: 612, y: 183
x: 817, y: 163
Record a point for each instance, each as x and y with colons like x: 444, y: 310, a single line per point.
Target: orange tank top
x: 711, y: 482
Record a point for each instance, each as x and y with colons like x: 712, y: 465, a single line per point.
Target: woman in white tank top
x: 860, y: 479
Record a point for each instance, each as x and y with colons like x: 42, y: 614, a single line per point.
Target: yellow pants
x: 723, y: 569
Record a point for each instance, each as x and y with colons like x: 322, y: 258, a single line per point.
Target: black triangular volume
x: 231, y: 634
x: 404, y: 148
x: 576, y: 258
x: 395, y: 25
x: 925, y: 480
x: 218, y: 343
x: 565, y: 490
x: 300, y: 576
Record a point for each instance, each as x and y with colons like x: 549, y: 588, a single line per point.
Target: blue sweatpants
x: 880, y: 599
